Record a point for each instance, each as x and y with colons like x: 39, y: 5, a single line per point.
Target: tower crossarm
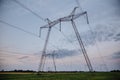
x: 64, y: 19
x: 74, y: 16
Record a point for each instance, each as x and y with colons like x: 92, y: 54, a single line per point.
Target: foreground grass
x: 61, y: 76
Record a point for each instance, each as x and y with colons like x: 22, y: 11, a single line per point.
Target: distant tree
x: 115, y: 71
x: 15, y: 70
x: 2, y: 70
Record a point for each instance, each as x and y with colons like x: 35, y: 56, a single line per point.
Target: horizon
x: 21, y: 47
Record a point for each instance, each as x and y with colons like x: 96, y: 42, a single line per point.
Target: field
x: 60, y: 76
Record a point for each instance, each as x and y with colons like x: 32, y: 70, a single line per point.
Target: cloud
x: 23, y: 57
x: 18, y: 61
x: 117, y: 37
x: 100, y: 33
x: 1, y: 2
x: 116, y: 59
x: 118, y: 4
x: 116, y: 55
x: 62, y: 53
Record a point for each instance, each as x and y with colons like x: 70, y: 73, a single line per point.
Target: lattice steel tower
x: 69, y: 18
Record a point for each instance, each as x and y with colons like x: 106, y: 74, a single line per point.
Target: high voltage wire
x: 12, y: 52
x: 25, y: 7
x: 16, y: 53
x: 65, y: 36
x: 79, y: 5
x: 28, y: 32
x: 22, y: 5
x: 77, y: 1
x: 21, y: 29
x: 98, y: 49
x: 36, y: 15
x: 19, y: 53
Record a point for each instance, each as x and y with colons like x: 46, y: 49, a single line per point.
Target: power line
x: 21, y: 29
x: 79, y: 5
x: 77, y: 1
x: 17, y: 53
x: 65, y: 36
x: 25, y: 7
x: 28, y: 32
x: 40, y: 16
x: 36, y: 15
x: 97, y: 47
x: 12, y: 52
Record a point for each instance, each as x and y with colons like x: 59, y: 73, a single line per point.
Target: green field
x: 61, y: 76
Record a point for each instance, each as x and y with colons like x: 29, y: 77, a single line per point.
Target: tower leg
x: 42, y: 60
x: 82, y: 47
x: 54, y: 61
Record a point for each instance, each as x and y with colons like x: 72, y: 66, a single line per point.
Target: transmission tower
x: 69, y: 18
x: 52, y: 55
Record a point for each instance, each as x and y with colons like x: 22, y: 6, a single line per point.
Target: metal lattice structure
x: 70, y: 18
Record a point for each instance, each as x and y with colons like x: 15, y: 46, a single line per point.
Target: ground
x: 60, y: 76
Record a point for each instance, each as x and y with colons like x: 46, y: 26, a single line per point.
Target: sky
x: 21, y: 48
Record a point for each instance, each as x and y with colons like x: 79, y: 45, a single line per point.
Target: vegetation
x: 115, y: 71
x: 60, y: 76
x: 18, y: 71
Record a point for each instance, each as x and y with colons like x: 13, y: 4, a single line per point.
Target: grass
x: 61, y: 76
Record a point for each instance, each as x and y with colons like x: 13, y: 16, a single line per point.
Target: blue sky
x: 19, y: 50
